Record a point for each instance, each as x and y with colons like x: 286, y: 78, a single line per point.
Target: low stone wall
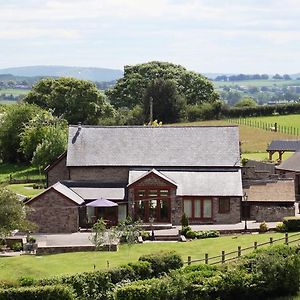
x: 66, y: 249
x: 273, y: 214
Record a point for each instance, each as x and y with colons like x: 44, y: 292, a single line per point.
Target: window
x: 197, y: 208
x: 224, y: 205
x: 188, y: 208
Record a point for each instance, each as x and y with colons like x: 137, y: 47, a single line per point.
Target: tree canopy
x: 12, y: 124
x: 44, y: 138
x: 74, y: 99
x: 246, y: 102
x: 12, y: 213
x: 130, y: 90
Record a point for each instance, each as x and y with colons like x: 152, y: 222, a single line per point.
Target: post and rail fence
x: 233, y: 255
x: 275, y: 127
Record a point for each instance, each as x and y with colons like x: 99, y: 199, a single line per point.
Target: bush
x: 190, y: 234
x: 17, y: 246
x: 185, y: 229
x: 163, y: 262
x: 280, y: 227
x: 55, y: 292
x: 207, y: 234
x: 263, y: 227
x: 184, y: 221
x: 145, y: 235
x: 26, y: 281
x: 292, y: 223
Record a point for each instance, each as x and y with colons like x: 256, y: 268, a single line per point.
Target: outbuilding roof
x: 182, y: 146
x: 284, y: 145
x: 95, y: 193
x: 204, y: 183
x: 291, y: 164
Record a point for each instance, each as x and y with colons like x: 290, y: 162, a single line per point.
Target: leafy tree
x: 74, y: 99
x: 44, y: 138
x: 246, y: 102
x: 168, y: 105
x: 12, y: 213
x: 12, y: 125
x: 129, y: 91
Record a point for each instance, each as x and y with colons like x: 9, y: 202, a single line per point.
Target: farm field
x: 257, y: 83
x: 12, y: 268
x: 14, y: 92
x: 253, y: 140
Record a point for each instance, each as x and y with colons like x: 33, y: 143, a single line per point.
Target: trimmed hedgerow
x: 55, y: 292
x: 163, y: 262
x: 292, y: 223
x: 264, y: 273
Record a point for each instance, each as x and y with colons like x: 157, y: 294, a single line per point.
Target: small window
x: 153, y: 193
x: 141, y: 193
x: 224, y: 205
x: 164, y: 193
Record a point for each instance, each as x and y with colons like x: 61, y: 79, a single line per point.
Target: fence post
x: 239, y: 251
x: 206, y: 258
x: 223, y: 257
x: 286, y: 238
x: 255, y: 245
x: 271, y: 241
x: 189, y: 260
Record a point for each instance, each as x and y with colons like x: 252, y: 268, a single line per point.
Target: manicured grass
x: 19, y: 171
x: 25, y: 189
x: 68, y: 263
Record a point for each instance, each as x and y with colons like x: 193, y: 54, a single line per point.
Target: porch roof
x: 88, y: 193
x: 204, y: 183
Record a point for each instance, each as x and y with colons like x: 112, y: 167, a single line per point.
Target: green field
x: 14, y: 92
x: 12, y: 268
x: 25, y: 189
x: 258, y: 83
x: 18, y: 171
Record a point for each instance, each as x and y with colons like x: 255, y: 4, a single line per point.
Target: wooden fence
x: 266, y: 126
x: 233, y: 255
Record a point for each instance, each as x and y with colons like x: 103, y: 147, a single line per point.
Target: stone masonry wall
x: 53, y: 213
x: 58, y: 172
x: 103, y: 174
x: 234, y: 216
x: 272, y: 213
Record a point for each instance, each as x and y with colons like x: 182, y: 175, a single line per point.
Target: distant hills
x: 93, y: 74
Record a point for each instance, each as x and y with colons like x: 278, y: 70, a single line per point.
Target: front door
x: 152, y: 205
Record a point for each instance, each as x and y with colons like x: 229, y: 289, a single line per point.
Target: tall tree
x: 12, y: 124
x: 12, y: 213
x: 168, y: 106
x: 129, y: 90
x: 74, y: 99
x: 44, y: 138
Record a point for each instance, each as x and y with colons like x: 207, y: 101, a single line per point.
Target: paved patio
x: 82, y: 238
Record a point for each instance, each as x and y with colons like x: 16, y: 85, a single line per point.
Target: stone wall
x: 54, y: 213
x: 58, y: 172
x: 234, y: 216
x: 103, y: 174
x: 271, y: 213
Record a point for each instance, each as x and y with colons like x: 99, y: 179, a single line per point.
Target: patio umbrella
x: 101, y: 202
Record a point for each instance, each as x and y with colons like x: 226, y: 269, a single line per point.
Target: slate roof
x: 96, y: 193
x: 291, y: 164
x: 284, y: 145
x: 62, y: 189
x: 189, y: 146
x: 206, y: 183
x: 279, y: 191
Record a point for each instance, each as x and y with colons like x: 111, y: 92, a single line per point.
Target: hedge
x: 55, y: 292
x: 292, y: 223
x: 265, y: 273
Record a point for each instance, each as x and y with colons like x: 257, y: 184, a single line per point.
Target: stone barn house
x: 152, y: 173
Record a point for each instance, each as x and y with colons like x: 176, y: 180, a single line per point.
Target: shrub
x: 190, y: 234
x: 163, y: 262
x: 263, y: 227
x: 292, y: 223
x: 55, y: 292
x: 145, y: 235
x: 26, y: 281
x: 184, y: 221
x: 207, y: 234
x: 31, y: 240
x: 185, y: 229
x: 17, y: 246
x: 281, y: 227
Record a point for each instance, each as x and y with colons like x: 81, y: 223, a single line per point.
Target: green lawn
x: 19, y: 171
x: 25, y: 189
x: 68, y: 263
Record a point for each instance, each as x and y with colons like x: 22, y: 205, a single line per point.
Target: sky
x: 207, y: 36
